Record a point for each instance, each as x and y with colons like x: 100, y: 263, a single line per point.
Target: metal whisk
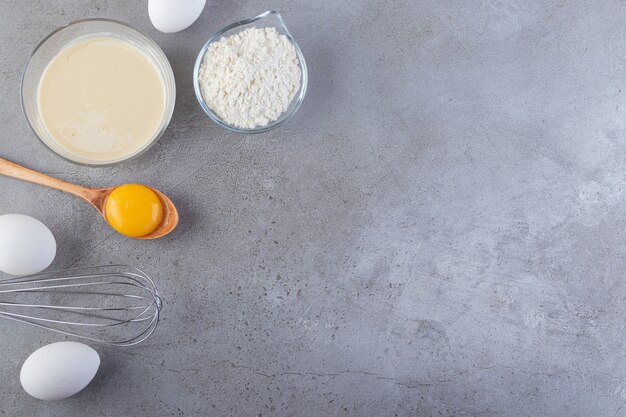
x: 113, y: 305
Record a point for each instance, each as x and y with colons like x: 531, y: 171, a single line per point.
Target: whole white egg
x: 27, y: 246
x: 59, y: 370
x: 171, y: 16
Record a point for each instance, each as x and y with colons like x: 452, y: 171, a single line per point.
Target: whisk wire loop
x: 113, y: 305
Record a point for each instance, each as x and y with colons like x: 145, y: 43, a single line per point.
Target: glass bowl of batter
x: 269, y: 20
x: 98, y: 92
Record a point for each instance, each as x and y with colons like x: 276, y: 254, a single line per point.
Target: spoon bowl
x: 97, y: 197
x: 169, y: 220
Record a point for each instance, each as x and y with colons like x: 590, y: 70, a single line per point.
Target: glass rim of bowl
x: 304, y: 79
x: 169, y: 96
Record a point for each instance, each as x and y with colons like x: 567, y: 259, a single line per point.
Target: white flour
x: 249, y: 79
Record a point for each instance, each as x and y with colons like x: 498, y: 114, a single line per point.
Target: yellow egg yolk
x: 133, y: 210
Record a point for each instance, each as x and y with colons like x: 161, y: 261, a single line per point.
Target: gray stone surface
x: 439, y: 231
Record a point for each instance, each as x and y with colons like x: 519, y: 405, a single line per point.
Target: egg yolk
x: 133, y: 210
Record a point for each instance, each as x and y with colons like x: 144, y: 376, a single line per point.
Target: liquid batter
x: 101, y: 99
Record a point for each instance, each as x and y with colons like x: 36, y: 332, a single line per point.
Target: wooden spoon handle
x: 11, y: 169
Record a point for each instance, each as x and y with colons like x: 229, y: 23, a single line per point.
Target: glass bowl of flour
x: 251, y: 76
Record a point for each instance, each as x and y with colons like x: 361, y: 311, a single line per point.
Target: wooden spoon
x: 97, y: 197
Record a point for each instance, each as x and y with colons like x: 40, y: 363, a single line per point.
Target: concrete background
x: 440, y: 230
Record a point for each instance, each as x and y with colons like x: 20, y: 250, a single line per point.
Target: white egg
x: 27, y: 246
x: 171, y: 16
x: 59, y: 370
